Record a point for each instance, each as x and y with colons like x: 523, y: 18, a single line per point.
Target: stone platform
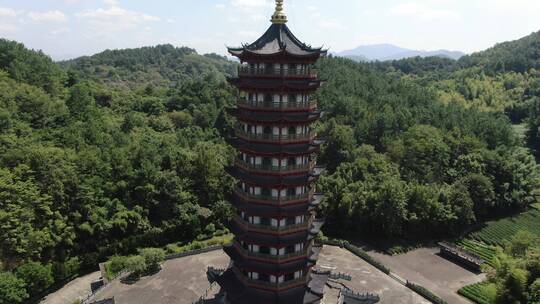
x: 184, y: 281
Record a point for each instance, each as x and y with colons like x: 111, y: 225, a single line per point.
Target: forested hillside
x: 126, y: 149
x: 504, y: 78
x: 162, y: 65
x: 88, y: 170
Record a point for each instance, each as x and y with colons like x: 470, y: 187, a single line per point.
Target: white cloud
x: 421, y: 11
x: 250, y: 4
x: 49, y: 16
x: 115, y: 18
x: 8, y: 28
x: 108, y: 24
x: 7, y: 12
x: 60, y: 31
x: 220, y: 6
x: 111, y: 2
x: 247, y: 34
x: 333, y: 25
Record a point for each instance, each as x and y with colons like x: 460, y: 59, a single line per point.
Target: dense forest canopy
x: 102, y: 155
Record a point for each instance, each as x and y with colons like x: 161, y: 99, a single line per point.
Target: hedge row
x: 358, y: 252
x: 424, y: 292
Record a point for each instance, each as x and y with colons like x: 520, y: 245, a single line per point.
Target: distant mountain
x: 383, y: 52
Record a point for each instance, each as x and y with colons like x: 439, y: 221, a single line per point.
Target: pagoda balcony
x: 279, y: 139
x: 302, y: 281
x: 270, y: 257
x: 246, y: 71
x: 269, y: 229
x: 275, y: 170
x: 278, y: 105
x: 274, y: 200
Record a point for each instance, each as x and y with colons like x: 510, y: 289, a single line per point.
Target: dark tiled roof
x: 264, y: 267
x: 275, y: 116
x: 254, y: 237
x: 278, y: 39
x: 293, y: 180
x: 274, y: 210
x: 276, y: 84
x: 261, y: 148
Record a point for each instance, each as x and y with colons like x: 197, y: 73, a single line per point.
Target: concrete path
x: 72, y: 291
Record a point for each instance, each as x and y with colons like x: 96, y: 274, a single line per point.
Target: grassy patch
x: 482, y: 293
x: 481, y: 250
x: 496, y: 232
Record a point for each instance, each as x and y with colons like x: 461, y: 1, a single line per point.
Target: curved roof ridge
x: 277, y: 39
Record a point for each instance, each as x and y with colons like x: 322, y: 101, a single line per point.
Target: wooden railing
x: 281, y: 200
x: 275, y: 169
x: 269, y: 285
x: 272, y: 137
x: 278, y: 105
x: 273, y: 72
x: 270, y: 228
x: 264, y: 256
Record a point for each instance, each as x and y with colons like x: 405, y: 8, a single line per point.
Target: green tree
x: 521, y: 242
x: 513, y: 288
x: 422, y: 153
x: 340, y: 145
x: 36, y: 276
x: 12, y: 289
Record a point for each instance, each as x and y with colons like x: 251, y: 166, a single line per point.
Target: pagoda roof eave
x: 242, y: 53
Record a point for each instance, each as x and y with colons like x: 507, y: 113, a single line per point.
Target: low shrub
x: 481, y: 293
x: 426, y: 293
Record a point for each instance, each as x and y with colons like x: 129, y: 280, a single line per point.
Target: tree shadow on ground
x: 133, y: 278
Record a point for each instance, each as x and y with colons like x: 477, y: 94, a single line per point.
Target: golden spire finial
x: 279, y: 16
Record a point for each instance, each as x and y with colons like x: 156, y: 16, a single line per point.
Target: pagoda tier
x: 274, y: 180
x: 275, y: 223
x: 271, y: 85
x: 272, y: 118
x: 294, y: 149
x: 272, y: 209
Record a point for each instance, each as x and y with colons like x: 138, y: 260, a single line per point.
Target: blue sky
x: 70, y: 28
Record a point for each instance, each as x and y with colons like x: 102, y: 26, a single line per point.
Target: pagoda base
x: 235, y: 291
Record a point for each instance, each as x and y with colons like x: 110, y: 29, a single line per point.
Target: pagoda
x: 273, y: 252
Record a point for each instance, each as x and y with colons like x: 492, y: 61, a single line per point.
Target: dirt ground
x: 74, y: 290
x: 423, y: 266
x: 183, y: 280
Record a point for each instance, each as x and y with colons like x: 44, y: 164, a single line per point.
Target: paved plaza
x: 425, y: 267
x: 183, y: 280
